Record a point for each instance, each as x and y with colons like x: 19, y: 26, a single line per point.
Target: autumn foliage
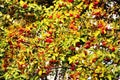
x: 70, y: 40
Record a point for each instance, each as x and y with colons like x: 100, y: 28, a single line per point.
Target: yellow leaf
x: 62, y: 58
x: 21, y: 2
x: 56, y: 54
x: 79, y: 69
x: 96, y: 33
x: 53, y: 57
x: 70, y: 60
x: 40, y: 72
x: 79, y: 6
x: 91, y: 5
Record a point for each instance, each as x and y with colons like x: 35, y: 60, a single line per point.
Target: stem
x: 56, y: 71
x: 1, y: 77
x: 46, y: 78
x: 64, y: 71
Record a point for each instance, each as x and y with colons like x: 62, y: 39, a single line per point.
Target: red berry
x: 96, y: 3
x: 72, y: 68
x: 100, y: 25
x: 50, y: 17
x: 72, y: 48
x: 87, y: 46
x: 107, y: 59
x: 49, y: 40
x: 77, y: 63
x: 71, y: 15
x: 78, y: 44
x: 9, y: 42
x: 25, y: 6
x: 103, y: 32
x: 88, y: 42
x: 77, y: 16
x: 71, y: 1
x: 104, y: 43
x: 21, y: 30
x: 113, y: 49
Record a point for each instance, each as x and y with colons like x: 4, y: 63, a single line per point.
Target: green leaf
x: 109, y: 77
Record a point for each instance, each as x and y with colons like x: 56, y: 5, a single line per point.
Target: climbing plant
x: 69, y: 39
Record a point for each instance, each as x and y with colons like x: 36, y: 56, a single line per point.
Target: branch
x: 56, y: 71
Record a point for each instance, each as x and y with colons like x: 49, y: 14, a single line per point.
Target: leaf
x: 83, y: 39
x: 24, y: 76
x: 90, y: 6
x: 79, y: 6
x: 21, y: 2
x: 40, y: 72
x: 62, y: 58
x: 109, y: 77
x: 96, y: 33
x: 70, y: 60
x: 53, y: 57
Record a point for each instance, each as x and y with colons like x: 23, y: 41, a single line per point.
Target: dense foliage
x: 71, y: 39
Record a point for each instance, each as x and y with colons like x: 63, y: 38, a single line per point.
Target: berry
x: 71, y: 15
x: 104, y: 43
x: 77, y: 16
x: 70, y: 1
x: 77, y: 63
x: 72, y: 68
x: 9, y: 42
x: 72, y: 48
x: 103, y: 32
x: 50, y: 17
x: 100, y: 25
x: 107, y: 59
x: 88, y: 42
x: 87, y: 46
x: 96, y: 3
x: 49, y: 40
x: 78, y: 44
x: 113, y: 49
x: 25, y: 6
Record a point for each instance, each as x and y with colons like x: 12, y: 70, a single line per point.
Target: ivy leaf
x: 40, y: 73
x: 109, y: 77
x: 70, y: 60
x: 96, y: 33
